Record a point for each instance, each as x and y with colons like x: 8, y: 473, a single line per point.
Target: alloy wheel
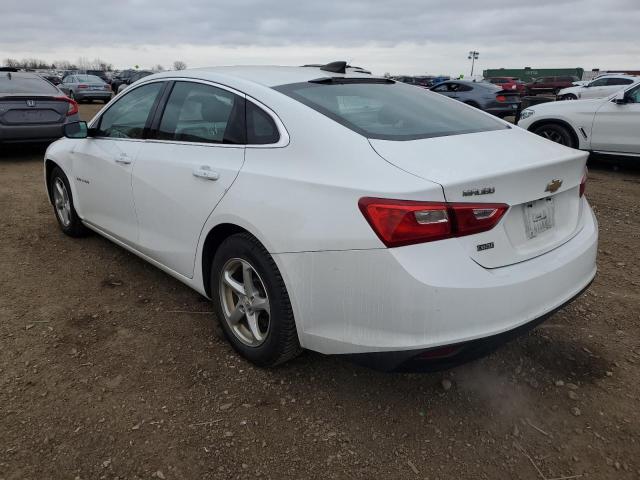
x: 62, y: 202
x: 552, y: 135
x: 245, y: 303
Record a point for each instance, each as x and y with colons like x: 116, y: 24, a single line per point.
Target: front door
x: 102, y: 163
x: 616, y: 127
x: 183, y: 172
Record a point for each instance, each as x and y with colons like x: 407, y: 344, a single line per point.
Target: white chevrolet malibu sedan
x: 323, y: 208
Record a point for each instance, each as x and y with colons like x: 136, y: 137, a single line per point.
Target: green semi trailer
x: 529, y: 74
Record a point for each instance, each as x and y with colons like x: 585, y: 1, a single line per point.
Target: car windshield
x: 89, y: 78
x: 25, y: 83
x: 390, y: 111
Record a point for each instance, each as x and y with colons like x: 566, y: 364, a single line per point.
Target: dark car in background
x: 55, y: 80
x: 485, y: 96
x: 509, y: 83
x: 101, y: 74
x: 32, y: 109
x: 126, y: 78
x: 550, y: 84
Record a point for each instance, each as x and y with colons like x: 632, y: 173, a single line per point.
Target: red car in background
x: 508, y: 83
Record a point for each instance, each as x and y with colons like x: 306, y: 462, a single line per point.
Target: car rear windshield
x: 17, y: 83
x: 390, y: 111
x: 89, y: 79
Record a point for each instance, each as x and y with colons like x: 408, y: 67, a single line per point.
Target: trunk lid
x: 511, y: 166
x: 32, y: 109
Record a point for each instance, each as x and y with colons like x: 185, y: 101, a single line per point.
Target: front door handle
x: 205, y: 171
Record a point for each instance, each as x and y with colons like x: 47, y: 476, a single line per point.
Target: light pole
x: 473, y: 56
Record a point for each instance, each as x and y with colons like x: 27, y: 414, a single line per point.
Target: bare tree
x: 179, y: 65
x: 158, y: 68
x: 12, y: 62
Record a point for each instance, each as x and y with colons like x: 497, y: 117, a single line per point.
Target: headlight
x: 526, y: 113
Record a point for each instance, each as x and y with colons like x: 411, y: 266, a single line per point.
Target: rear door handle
x: 123, y: 159
x: 205, y: 171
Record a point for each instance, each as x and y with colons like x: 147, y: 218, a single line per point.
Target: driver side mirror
x: 76, y: 130
x: 620, y: 98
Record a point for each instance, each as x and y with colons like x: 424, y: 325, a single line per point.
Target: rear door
x: 182, y: 173
x: 102, y: 163
x: 616, y: 127
x: 596, y: 89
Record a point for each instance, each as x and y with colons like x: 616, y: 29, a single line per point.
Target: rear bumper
x: 30, y: 133
x: 449, y: 356
x: 95, y: 95
x: 429, y: 295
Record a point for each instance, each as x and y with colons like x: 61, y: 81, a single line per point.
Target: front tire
x: 63, y: 205
x: 569, y: 96
x: 556, y: 133
x: 251, y: 302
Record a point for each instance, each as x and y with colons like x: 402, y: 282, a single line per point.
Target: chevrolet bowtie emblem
x: 553, y: 185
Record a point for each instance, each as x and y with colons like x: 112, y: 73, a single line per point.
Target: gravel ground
x: 105, y: 374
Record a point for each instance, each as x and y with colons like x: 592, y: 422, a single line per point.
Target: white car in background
x: 601, y: 87
x: 610, y: 125
x: 327, y: 209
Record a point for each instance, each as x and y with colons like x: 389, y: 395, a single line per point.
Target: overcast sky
x: 402, y: 36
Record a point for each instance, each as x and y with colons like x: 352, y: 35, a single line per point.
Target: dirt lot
x: 103, y: 375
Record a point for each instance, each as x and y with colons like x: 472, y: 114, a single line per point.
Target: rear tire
x: 556, y: 133
x: 251, y: 302
x: 63, y: 205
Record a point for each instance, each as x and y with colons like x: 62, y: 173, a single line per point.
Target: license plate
x: 539, y: 216
x: 514, y: 106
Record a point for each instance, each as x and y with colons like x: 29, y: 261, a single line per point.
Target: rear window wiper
x: 348, y: 80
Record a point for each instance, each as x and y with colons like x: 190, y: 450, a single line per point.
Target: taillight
x: 501, y: 98
x: 72, y: 108
x: 82, y: 85
x: 583, y: 183
x: 405, y: 222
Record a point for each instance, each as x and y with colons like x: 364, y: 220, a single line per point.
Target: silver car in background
x: 32, y: 109
x: 81, y: 87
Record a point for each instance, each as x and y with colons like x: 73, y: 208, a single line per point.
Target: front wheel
x: 555, y: 133
x: 63, y: 205
x: 569, y: 96
x: 251, y: 302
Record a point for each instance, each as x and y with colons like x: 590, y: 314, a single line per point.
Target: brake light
x: 583, y: 183
x: 72, y: 108
x: 501, y: 98
x: 82, y: 85
x: 405, y: 222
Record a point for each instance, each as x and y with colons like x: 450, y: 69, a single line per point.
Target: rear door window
x: 201, y: 113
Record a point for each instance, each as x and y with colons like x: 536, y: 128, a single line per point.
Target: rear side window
x: 261, y: 129
x: 619, y: 81
x: 390, y: 111
x: 202, y: 113
x: 20, y: 83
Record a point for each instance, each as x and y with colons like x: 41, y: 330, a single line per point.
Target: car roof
x: 265, y: 75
